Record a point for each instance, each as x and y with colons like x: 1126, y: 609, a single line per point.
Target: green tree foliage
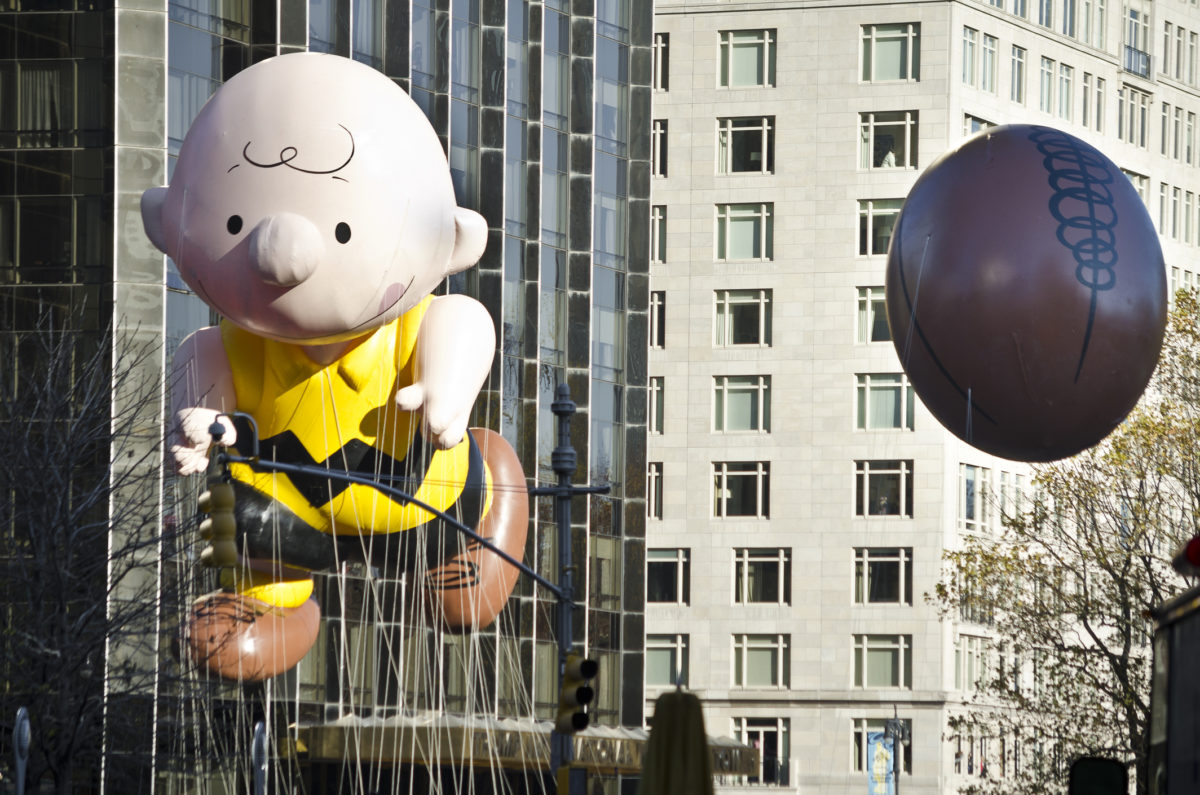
x: 1067, y: 583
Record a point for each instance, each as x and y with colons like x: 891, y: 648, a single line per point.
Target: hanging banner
x: 881, y: 778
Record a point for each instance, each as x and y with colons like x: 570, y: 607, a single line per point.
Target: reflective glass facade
x: 543, y: 111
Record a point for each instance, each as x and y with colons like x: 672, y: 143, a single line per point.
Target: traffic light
x: 220, y: 526
x: 576, y: 693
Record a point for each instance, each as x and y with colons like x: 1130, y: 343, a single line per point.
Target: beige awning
x: 430, y: 739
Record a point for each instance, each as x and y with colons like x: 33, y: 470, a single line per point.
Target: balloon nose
x: 285, y: 249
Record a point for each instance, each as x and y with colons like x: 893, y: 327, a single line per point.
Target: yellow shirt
x: 344, y: 416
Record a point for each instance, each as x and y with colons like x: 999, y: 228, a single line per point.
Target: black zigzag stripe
x: 355, y: 456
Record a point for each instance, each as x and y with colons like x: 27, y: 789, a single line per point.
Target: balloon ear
x: 152, y: 209
x: 470, y: 239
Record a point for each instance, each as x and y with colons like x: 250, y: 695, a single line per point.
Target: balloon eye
x: 234, y: 224
x: 342, y: 232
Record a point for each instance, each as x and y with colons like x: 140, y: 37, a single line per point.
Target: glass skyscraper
x: 543, y: 110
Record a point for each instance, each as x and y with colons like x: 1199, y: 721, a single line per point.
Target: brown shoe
x: 470, y: 589
x: 246, y: 640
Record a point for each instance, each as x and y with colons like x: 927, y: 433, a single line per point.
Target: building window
x: 658, y: 233
x: 865, y: 726
x: 741, y: 489
x: 1068, y: 18
x: 974, y: 124
x: 891, y: 52
x: 1188, y: 200
x: 1191, y: 58
x: 654, y: 490
x: 1189, y: 138
x: 744, y: 231
x: 654, y: 410
x: 1141, y: 184
x: 1046, y: 13
x: 658, y: 148
x: 1177, y: 134
x: 883, y: 401
x: 888, y: 139
x: 872, y: 316
x: 974, y: 497
x: 883, y: 488
x: 666, y: 660
x: 747, y: 58
x: 970, y: 56
x: 883, y: 661
x: 668, y: 576
x: 1046, y: 97
x: 876, y: 219
x: 1165, y: 59
x: 658, y: 319
x: 1137, y: 41
x: 742, y: 317
x: 746, y: 145
x: 662, y: 61
x: 1021, y: 8
x: 987, y: 64
x: 1093, y: 102
x: 761, y: 660
x: 771, y: 737
x: 1017, y: 87
x: 741, y: 403
x: 883, y: 575
x: 1164, y: 146
x: 970, y: 657
x: 1066, y: 91
x: 762, y: 576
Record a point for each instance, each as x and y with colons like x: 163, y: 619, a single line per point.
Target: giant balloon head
x: 1026, y: 293
x: 312, y: 202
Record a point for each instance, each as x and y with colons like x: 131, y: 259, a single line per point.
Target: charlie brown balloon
x: 312, y: 208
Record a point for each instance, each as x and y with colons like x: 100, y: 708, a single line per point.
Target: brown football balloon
x: 1026, y: 293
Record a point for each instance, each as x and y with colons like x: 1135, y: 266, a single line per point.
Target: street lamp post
x: 899, y: 732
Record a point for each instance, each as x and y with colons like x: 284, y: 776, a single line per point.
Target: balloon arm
x: 453, y: 358
x: 201, y: 388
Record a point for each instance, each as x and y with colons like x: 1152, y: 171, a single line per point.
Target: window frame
x: 661, y: 48
x: 729, y: 128
x: 658, y: 318
x: 658, y: 148
x: 908, y: 32
x: 654, y: 490
x: 871, y: 212
x: 724, y: 331
x: 900, y: 645
x: 655, y: 408
x: 1017, y: 75
x: 760, y: 386
x: 870, y: 138
x: 866, y: 469
x: 872, y: 303
x: 762, y: 214
x: 680, y: 558
x: 864, y: 389
x: 758, y: 471
x: 763, y: 39
x: 744, y: 558
x: 677, y: 645
x: 744, y: 643
x: 860, y: 728
x: 866, y: 558
x: 658, y: 234
x: 975, y: 498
